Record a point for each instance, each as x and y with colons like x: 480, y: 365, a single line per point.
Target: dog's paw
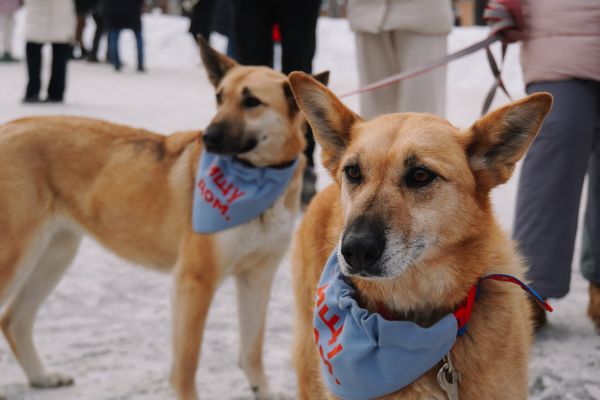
x: 52, y: 380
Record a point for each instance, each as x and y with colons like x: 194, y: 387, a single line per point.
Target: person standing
x: 48, y: 22
x: 119, y: 15
x: 98, y: 15
x: 561, y: 55
x: 207, y: 16
x: 7, y: 23
x: 394, y: 36
x: 82, y: 8
x: 253, y: 22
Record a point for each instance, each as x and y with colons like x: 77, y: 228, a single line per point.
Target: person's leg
x: 425, y: 93
x: 253, y: 26
x: 201, y: 20
x: 6, y: 30
x: 7, y: 23
x: 81, y: 19
x: 139, y: 41
x: 298, y: 25
x: 113, y: 48
x: 93, y: 56
x: 590, y: 251
x: 550, y: 186
x: 375, y: 56
x: 3, y: 30
x: 33, y: 53
x: 60, y: 57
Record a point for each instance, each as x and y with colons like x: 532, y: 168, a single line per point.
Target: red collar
x: 465, y: 308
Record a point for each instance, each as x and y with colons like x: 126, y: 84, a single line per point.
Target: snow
x: 108, y: 322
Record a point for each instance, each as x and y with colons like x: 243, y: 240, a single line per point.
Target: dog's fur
x: 438, y: 239
x: 62, y: 177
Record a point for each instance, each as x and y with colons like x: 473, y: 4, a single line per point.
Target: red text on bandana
x: 227, y: 194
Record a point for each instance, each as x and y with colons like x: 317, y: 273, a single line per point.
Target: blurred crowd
x: 560, y: 54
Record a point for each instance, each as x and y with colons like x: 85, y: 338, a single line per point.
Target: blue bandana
x: 363, y: 355
x: 228, y: 193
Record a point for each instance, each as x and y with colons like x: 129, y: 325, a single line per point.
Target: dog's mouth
x: 231, y: 149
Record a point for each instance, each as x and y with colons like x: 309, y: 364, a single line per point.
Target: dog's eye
x: 419, y: 177
x: 251, y: 102
x: 352, y: 173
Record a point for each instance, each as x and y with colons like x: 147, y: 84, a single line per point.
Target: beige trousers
x: 383, y: 54
x: 6, y: 30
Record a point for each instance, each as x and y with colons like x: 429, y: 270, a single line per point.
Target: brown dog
x: 62, y: 177
x: 411, y: 218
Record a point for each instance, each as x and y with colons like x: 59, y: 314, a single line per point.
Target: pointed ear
x: 216, y: 64
x: 329, y: 118
x: 322, y: 77
x: 499, y: 139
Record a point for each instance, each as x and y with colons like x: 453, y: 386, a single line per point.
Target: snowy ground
x: 108, y: 321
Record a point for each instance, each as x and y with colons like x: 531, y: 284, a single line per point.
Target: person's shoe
x: 594, y: 305
x: 53, y: 100
x: 8, y: 58
x: 309, y: 185
x: 31, y: 100
x: 92, y: 58
x: 538, y: 316
x: 118, y: 67
x: 141, y: 68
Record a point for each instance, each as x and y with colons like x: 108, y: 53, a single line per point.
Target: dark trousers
x: 60, y: 56
x: 550, y: 186
x: 479, y: 9
x: 253, y: 35
x: 113, y: 47
x: 99, y: 20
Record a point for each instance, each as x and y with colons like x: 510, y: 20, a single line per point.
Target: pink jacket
x: 563, y: 40
x: 9, y: 6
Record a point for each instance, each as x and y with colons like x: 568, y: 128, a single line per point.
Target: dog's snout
x: 213, y: 137
x: 363, y: 244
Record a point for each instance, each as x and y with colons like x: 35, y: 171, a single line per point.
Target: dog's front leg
x: 196, y: 279
x: 253, y: 290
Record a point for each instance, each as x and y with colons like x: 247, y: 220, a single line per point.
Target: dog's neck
x: 423, y: 318
x: 281, y: 165
x: 427, y: 292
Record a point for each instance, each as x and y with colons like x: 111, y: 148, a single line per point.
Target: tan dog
x: 62, y: 177
x: 411, y: 217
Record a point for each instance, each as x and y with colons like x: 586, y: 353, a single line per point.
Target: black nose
x: 213, y: 138
x: 363, y: 244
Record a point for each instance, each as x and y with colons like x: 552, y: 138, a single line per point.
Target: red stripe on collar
x: 465, y: 308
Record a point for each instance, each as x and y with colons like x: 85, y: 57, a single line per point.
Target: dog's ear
x: 322, y: 77
x: 329, y: 118
x: 499, y: 139
x: 216, y: 64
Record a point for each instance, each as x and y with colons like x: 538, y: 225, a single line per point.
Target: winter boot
x: 8, y: 58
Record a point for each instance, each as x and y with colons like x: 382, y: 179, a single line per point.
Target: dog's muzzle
x: 220, y: 139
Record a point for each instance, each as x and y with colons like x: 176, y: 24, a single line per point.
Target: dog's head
x: 257, y: 117
x: 414, y: 188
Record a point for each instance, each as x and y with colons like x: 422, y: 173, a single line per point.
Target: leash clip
x: 448, y: 378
